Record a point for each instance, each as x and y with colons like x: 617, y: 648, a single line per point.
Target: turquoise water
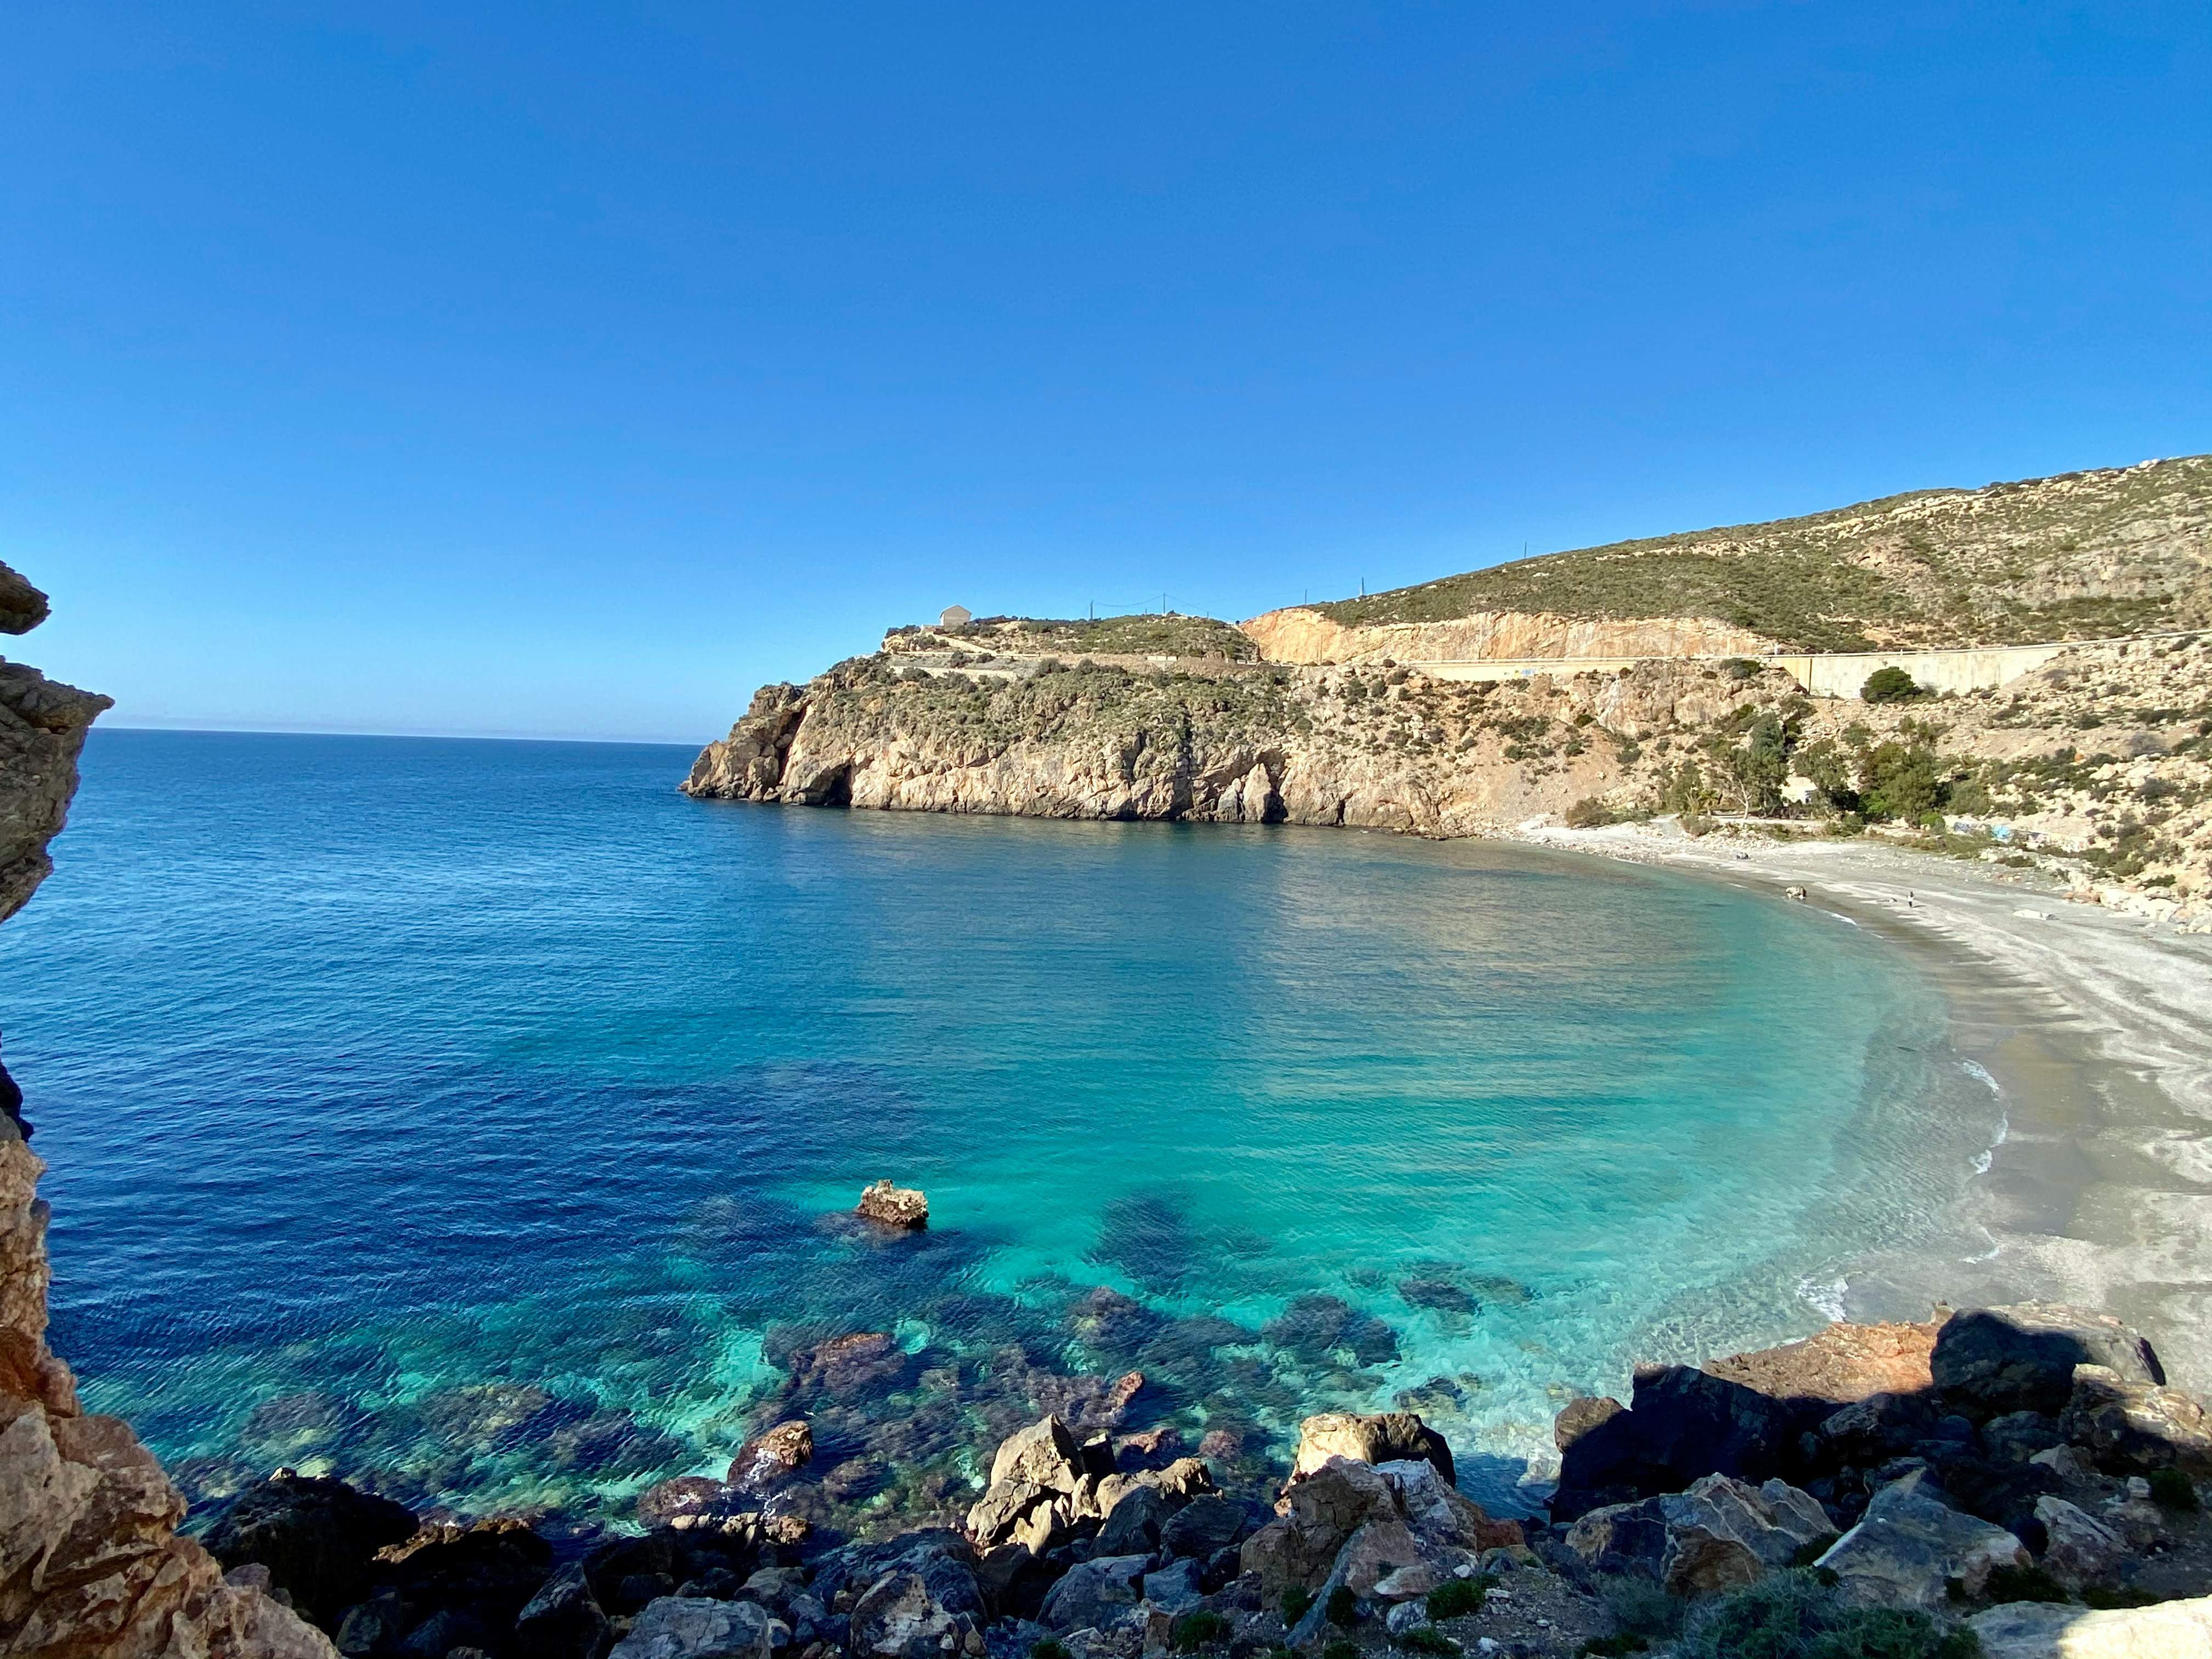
x: 459, y: 1116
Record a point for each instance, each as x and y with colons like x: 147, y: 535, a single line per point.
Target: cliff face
x: 90, y: 1560
x: 1374, y: 750
x: 2101, y: 762
x: 1304, y: 635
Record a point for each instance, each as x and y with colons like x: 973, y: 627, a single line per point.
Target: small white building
x: 955, y: 616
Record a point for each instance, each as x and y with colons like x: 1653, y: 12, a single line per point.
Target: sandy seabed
x: 2095, y: 1027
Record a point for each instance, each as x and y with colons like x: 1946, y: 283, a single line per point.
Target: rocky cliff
x: 91, y: 1562
x: 2099, y: 765
x: 1306, y: 635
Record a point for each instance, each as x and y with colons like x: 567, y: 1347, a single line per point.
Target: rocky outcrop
x: 1378, y: 1437
x: 902, y: 1209
x: 91, y: 1561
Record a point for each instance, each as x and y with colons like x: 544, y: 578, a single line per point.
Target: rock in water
x: 903, y: 1207
x: 317, y: 1538
x: 1378, y: 1437
x: 769, y: 1457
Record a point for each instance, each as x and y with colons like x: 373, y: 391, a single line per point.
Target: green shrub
x: 1641, y: 1608
x: 2011, y: 1583
x: 1047, y: 1649
x: 1738, y: 668
x: 1697, y: 824
x: 2126, y: 1597
x: 1590, y: 813
x: 1794, y: 1615
x: 1341, y: 1649
x: 1456, y: 1598
x: 1343, y: 1609
x: 1298, y: 1602
x: 2170, y: 1489
x: 1426, y: 1638
x: 1197, y: 1630
x: 1889, y: 685
x: 1611, y: 1647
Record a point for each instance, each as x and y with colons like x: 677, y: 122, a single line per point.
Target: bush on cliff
x: 1794, y: 1615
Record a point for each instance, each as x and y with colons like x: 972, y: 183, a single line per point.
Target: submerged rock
x: 772, y: 1455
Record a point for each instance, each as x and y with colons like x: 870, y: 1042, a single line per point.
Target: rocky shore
x: 2013, y: 1482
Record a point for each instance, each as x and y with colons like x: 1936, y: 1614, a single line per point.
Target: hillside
x: 2081, y: 555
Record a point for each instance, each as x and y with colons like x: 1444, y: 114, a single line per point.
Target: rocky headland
x: 2095, y: 768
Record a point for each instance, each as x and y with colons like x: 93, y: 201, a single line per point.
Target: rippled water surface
x: 463, y: 1116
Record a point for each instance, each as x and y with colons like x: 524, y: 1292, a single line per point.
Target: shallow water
x: 373, y: 1071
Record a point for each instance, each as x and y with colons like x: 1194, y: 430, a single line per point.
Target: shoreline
x: 2099, y: 1190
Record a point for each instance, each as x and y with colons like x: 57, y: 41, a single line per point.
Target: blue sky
x: 572, y: 369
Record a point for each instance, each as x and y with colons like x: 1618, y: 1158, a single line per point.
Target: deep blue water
x: 458, y: 1116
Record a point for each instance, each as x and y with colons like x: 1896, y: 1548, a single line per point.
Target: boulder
x: 2127, y: 1425
x: 1044, y: 1455
x: 902, y: 1207
x: 772, y: 1456
x: 1681, y: 1424
x: 1368, y: 1438
x: 903, y: 1615
x: 317, y: 1537
x: 1719, y: 1534
x: 488, y: 1570
x: 564, y: 1619
x: 1439, y: 1513
x: 1204, y: 1526
x: 1910, y: 1546
x: 1096, y: 1594
x: 1992, y: 1361
x: 2016, y: 1436
x: 693, y: 1627
x: 994, y: 1516
x: 1174, y: 1588
x: 2078, y: 1551
x: 2042, y: 1630
x: 1133, y: 1526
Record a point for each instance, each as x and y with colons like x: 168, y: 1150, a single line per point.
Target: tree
x: 1890, y: 685
x: 1902, y: 781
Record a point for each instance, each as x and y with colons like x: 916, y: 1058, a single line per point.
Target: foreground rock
x: 905, y: 1208
x: 2036, y: 1630
x: 1717, y: 1535
x: 1912, y: 1547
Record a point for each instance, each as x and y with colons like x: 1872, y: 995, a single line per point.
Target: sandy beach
x: 2097, y: 1029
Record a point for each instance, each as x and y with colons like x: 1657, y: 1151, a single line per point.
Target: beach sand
x: 2096, y: 1027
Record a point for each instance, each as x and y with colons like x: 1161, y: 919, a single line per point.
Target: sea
x: 480, y: 1121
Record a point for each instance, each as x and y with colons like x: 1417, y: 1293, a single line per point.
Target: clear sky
x: 572, y: 369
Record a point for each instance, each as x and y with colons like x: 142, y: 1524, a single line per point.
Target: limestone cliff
x: 1338, y: 747
x: 2101, y: 761
x: 91, y: 1563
